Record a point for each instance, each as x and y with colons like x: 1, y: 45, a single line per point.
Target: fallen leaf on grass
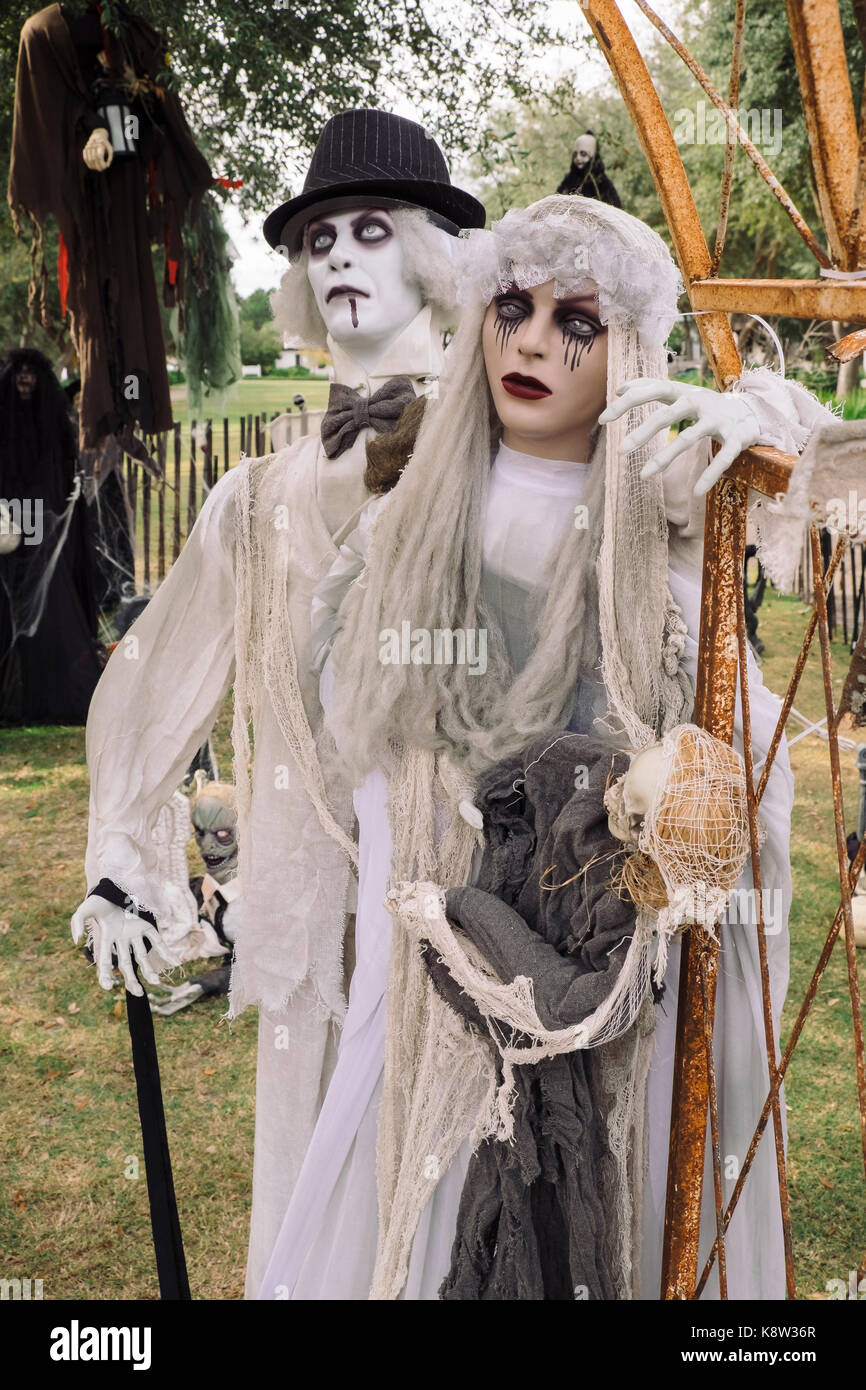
x: 19, y: 1201
x: 832, y: 1001
x: 208, y: 1071
x: 4, y: 926
x: 831, y: 1187
x: 118, y: 1008
x: 55, y: 1023
x: 73, y: 1009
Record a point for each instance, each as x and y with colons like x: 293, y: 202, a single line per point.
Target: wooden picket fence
x: 162, y: 513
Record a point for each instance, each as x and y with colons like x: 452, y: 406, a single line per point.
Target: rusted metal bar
x: 799, y: 1022
x: 841, y: 852
x: 857, y: 232
x: 715, y: 698
x: 828, y: 106
x: 766, y: 470
x: 663, y: 157
x: 844, y: 300
x: 714, y: 1127
x: 730, y: 141
x: 766, y: 999
x: 763, y: 168
x: 850, y: 346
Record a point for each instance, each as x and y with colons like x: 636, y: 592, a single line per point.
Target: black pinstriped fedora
x: 378, y: 159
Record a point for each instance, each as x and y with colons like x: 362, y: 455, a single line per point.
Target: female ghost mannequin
x: 378, y: 281
x: 512, y: 550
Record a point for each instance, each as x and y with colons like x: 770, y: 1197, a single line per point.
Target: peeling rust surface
x: 797, y: 299
x: 715, y: 696
x: 850, y: 346
x: 822, y: 69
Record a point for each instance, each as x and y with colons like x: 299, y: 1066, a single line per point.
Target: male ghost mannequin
x: 386, y: 305
x: 147, y: 715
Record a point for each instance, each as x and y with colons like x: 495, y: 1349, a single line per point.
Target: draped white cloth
x: 327, y: 1245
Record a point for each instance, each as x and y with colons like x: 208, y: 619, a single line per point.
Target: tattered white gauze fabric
x: 832, y: 464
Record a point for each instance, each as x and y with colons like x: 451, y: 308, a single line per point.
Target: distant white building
x: 295, y: 354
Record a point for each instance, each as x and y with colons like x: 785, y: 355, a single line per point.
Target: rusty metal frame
x: 839, y: 157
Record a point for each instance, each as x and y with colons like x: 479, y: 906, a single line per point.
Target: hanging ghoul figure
x: 100, y: 146
x: 586, y: 175
x: 48, y: 659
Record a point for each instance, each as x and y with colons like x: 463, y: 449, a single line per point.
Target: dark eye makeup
x: 512, y: 309
x: 320, y: 238
x: 370, y: 231
x: 579, y: 328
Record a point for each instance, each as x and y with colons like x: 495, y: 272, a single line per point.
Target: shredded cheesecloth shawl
x: 535, y: 1218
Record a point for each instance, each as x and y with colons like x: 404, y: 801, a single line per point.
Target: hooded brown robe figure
x: 70, y: 66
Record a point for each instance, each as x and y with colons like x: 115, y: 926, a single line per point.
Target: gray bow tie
x: 349, y: 412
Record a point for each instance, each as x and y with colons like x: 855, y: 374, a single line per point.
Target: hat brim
x: 285, y: 225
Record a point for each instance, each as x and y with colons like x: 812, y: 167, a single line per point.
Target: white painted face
x: 356, y: 270
x: 584, y: 150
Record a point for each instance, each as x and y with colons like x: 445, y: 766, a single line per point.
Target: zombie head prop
x: 214, y: 821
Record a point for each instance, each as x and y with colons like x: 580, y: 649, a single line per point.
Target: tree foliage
x: 260, y: 78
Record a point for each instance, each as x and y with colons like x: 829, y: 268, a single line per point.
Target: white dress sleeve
x: 157, y: 701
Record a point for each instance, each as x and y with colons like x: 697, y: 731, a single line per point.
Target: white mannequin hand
x: 118, y: 931
x: 98, y: 152
x: 724, y: 416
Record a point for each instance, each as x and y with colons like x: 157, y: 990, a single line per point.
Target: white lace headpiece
x: 561, y: 238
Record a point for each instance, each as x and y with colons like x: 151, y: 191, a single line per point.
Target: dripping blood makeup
x: 352, y: 295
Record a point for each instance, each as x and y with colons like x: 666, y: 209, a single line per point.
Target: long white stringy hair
x: 606, y: 594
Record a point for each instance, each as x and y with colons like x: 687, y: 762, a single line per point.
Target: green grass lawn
x: 261, y: 396
x: 69, y: 1214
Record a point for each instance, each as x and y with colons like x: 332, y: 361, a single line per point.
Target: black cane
x: 164, y: 1219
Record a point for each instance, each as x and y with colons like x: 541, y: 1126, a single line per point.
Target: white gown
x: 327, y: 1245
